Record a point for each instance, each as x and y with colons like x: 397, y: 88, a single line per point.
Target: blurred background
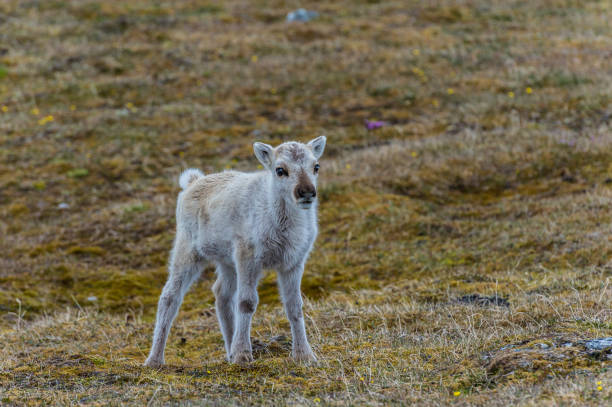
x: 465, y: 191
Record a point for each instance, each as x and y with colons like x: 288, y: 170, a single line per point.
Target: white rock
x: 302, y: 15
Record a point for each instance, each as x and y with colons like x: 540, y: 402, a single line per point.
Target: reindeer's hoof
x: 242, y: 358
x: 306, y: 356
x: 152, y: 362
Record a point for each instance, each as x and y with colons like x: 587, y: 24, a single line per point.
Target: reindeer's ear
x: 263, y: 152
x: 317, y: 146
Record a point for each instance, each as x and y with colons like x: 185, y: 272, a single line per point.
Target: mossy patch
x: 535, y: 360
x: 78, y: 173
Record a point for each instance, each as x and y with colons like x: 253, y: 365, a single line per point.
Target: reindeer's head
x: 294, y: 167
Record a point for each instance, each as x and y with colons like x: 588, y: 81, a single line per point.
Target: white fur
x: 188, y: 176
x: 244, y: 222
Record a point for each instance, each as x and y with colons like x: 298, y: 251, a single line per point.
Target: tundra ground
x: 464, y: 254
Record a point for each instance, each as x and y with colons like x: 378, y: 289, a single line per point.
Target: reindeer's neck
x: 285, y: 215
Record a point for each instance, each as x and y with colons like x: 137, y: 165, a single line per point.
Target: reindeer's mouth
x: 305, y: 203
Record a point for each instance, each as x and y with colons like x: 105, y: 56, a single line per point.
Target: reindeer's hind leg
x: 225, y: 299
x: 248, y: 272
x: 185, y: 267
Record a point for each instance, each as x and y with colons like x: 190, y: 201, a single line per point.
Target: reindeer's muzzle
x: 304, y: 192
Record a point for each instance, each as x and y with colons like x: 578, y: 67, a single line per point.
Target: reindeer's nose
x: 305, y: 192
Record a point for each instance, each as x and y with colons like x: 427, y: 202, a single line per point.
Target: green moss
x: 137, y: 207
x: 44, y: 249
x: 39, y: 185
x: 78, y: 173
x: 447, y: 14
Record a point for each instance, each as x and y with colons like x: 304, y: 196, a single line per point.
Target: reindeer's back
x: 219, y: 198
x: 202, y: 190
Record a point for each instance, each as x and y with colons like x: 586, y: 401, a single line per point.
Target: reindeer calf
x: 245, y: 222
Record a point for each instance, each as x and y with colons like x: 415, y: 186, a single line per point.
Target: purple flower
x: 373, y: 125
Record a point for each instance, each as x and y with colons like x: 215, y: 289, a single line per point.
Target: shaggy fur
x: 244, y: 222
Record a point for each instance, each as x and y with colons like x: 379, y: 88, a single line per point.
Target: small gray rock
x: 599, y: 344
x: 302, y: 15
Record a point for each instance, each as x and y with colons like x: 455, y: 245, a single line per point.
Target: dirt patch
x: 484, y: 301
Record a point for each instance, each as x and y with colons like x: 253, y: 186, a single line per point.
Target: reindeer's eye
x: 316, y: 168
x: 280, y: 171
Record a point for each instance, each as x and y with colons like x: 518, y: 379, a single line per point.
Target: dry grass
x: 494, y: 177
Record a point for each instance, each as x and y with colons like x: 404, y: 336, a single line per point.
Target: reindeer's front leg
x: 289, y: 284
x: 248, y: 273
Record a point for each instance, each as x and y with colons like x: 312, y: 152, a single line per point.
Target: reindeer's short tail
x: 188, y: 176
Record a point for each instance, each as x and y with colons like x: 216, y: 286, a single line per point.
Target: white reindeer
x: 245, y: 222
